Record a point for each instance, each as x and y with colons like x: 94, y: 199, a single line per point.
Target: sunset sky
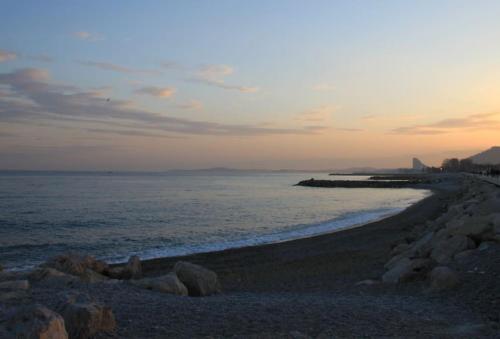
x: 154, y: 85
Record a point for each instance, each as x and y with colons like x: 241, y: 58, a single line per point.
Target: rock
x: 14, y: 291
x: 474, y: 227
x: 117, y: 272
x: 1, y: 268
x: 400, y: 248
x: 396, y: 259
x: 76, y: 264
x: 367, y: 282
x: 423, y: 246
x: 15, y: 296
x: 91, y: 277
x: 51, y: 275
x: 464, y: 254
x: 35, y: 321
x: 15, y: 285
x: 443, y: 278
x: 198, y: 280
x: 85, y: 318
x: 445, y: 249
x: 485, y: 245
x: 134, y: 267
x: 406, y: 270
x: 168, y: 283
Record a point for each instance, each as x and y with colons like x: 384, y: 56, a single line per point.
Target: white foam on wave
x: 349, y: 220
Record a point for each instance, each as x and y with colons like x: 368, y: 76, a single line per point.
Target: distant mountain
x: 488, y: 157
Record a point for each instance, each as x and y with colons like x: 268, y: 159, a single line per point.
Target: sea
x: 113, y: 215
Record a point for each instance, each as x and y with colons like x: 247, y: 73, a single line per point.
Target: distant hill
x: 488, y: 157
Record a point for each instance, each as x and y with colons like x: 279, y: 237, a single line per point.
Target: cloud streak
x: 160, y: 92
x: 54, y: 104
x: 107, y: 66
x: 474, y: 122
x: 215, y: 75
x: 87, y: 36
x: 7, y: 56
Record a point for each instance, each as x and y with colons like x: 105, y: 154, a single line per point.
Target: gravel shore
x: 309, y: 288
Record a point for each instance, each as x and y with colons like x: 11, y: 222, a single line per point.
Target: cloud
x: 171, y: 65
x: 214, y: 75
x: 191, y: 105
x: 474, y: 122
x: 7, y: 56
x: 44, y: 102
x: 324, y: 87
x: 161, y: 92
x: 87, y: 36
x: 320, y: 114
x: 117, y: 68
x: 41, y: 58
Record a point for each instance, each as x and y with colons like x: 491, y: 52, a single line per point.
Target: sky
x: 157, y: 85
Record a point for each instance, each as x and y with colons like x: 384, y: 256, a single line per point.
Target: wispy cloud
x: 215, y: 75
x: 194, y: 105
x: 55, y: 105
x: 321, y: 114
x: 161, y: 92
x: 117, y: 68
x: 87, y: 36
x: 41, y: 58
x: 323, y: 87
x: 474, y: 122
x: 7, y: 55
x: 321, y: 118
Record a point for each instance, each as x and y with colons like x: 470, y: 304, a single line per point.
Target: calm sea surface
x: 112, y: 215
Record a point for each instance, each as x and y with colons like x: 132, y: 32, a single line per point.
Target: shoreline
x: 430, y: 193
x: 435, y: 191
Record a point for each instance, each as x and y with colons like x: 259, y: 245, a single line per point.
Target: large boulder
x: 443, y: 278
x: 407, y: 270
x: 198, y: 280
x: 423, y: 246
x: 132, y: 270
x: 91, y: 277
x: 400, y: 248
x: 168, y: 283
x: 85, y: 318
x: 444, y: 250
x: 35, y: 321
x: 76, y: 264
x: 14, y: 291
x: 474, y: 227
x: 47, y: 274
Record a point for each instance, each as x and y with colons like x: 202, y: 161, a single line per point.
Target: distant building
x: 418, y: 165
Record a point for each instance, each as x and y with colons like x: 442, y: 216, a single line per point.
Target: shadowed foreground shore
x: 333, y: 285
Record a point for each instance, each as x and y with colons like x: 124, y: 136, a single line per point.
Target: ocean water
x: 115, y: 215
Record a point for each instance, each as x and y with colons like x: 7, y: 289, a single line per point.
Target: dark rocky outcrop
x: 360, y: 183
